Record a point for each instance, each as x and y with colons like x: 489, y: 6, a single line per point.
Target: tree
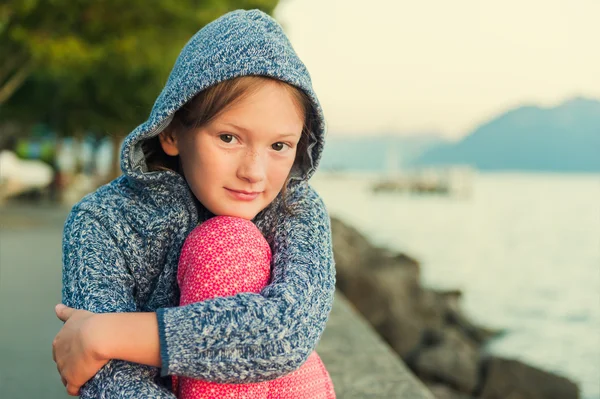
x: 80, y: 65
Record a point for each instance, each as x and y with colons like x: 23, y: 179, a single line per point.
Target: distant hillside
x: 375, y: 152
x: 564, y: 138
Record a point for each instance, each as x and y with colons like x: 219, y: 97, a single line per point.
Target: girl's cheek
x: 282, y: 172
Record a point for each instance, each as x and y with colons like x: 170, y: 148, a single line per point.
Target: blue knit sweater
x: 122, y: 243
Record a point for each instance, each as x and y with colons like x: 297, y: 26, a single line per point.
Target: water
x: 524, y: 248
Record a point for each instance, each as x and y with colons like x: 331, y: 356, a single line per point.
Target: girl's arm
x: 251, y: 337
x: 247, y: 337
x: 126, y: 336
x: 95, y: 278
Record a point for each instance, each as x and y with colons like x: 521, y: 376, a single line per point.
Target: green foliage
x: 95, y: 65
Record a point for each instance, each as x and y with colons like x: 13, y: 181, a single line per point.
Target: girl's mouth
x: 242, y: 195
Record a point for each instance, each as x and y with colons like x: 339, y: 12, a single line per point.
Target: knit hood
x: 239, y: 43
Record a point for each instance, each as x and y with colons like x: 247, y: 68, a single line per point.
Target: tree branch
x: 14, y: 82
x: 11, y: 64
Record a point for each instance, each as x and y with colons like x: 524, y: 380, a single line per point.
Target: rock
x: 427, y: 328
x: 453, y: 361
x: 512, y: 379
x: 385, y: 288
x: 456, y: 317
x: 385, y: 292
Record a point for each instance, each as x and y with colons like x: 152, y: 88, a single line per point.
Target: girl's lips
x: 242, y: 195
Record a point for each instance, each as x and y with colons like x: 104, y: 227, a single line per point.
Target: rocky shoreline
x: 428, y: 329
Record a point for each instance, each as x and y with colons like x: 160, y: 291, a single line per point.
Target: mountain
x: 376, y: 152
x: 565, y: 138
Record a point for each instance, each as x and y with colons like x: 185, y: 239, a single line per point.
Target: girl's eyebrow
x: 243, y: 129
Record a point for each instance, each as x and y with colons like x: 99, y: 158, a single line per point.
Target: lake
x: 524, y: 248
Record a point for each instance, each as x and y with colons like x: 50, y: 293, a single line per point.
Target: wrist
x: 132, y: 337
x: 98, y: 333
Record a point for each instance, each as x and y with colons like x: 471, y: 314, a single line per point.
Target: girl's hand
x: 74, y: 348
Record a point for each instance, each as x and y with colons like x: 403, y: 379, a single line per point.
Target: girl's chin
x: 237, y: 213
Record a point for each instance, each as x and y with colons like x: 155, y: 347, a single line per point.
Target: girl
x: 236, y: 131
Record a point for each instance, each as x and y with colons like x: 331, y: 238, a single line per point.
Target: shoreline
x: 428, y: 329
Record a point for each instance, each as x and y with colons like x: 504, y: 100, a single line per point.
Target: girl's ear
x: 168, y: 142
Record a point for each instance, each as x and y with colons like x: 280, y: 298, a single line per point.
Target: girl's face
x: 237, y: 164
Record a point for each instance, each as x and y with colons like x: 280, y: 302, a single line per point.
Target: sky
x: 443, y: 66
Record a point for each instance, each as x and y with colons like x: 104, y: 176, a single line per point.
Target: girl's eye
x: 227, y: 138
x: 279, y: 146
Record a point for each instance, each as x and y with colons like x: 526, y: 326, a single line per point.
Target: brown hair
x: 209, y: 103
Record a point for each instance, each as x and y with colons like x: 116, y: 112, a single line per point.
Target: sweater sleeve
x: 96, y: 278
x: 258, y: 337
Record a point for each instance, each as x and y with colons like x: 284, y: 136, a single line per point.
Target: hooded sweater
x: 121, y: 243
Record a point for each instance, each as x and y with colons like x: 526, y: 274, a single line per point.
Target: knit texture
x: 121, y: 244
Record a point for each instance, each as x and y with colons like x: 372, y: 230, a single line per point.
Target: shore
x: 429, y: 330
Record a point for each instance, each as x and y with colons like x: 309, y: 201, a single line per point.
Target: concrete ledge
x: 360, y: 363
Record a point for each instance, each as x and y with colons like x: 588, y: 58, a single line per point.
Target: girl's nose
x: 252, y: 167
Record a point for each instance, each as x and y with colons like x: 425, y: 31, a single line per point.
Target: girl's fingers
x: 73, y: 391
x: 63, y: 312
